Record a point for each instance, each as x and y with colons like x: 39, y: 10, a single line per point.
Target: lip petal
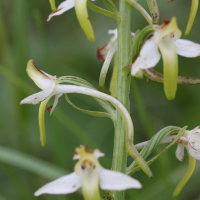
x: 90, y: 184
x: 170, y: 65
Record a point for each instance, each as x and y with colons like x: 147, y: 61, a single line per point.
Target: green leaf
x: 30, y: 163
x: 104, y: 12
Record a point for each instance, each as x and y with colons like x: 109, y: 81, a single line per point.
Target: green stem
x: 123, y: 87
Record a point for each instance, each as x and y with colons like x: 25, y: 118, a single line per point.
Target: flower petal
x: 95, y: 152
x: 57, y: 96
x: 90, y: 184
x: 169, y: 29
x: 180, y: 152
x: 112, y: 180
x: 149, y: 56
x: 187, y: 48
x: 53, y: 5
x: 83, y: 18
x: 63, y: 7
x: 64, y: 185
x: 170, y: 65
x: 193, y: 13
x: 42, y: 80
x: 194, y: 144
x: 38, y: 97
x: 103, y: 51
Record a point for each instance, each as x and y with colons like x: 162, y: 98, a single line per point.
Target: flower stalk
x: 123, y: 87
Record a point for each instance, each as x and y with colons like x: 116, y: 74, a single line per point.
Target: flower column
x: 123, y: 86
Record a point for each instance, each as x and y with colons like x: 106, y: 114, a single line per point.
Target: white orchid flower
x: 47, y: 83
x: 89, y: 175
x: 81, y: 13
x: 166, y: 39
x: 102, y: 52
x: 51, y: 86
x: 191, y: 142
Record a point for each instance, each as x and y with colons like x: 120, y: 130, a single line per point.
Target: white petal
x: 64, y: 185
x: 63, y: 7
x: 148, y: 57
x: 194, y: 144
x: 114, y: 32
x: 57, y: 96
x: 180, y: 152
x: 38, y: 97
x: 112, y: 180
x: 187, y: 48
x: 97, y: 154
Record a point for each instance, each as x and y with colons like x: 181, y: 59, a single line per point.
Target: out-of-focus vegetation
x: 60, y: 47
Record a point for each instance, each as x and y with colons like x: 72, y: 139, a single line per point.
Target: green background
x: 60, y: 48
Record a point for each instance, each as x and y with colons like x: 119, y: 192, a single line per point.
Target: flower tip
x: 170, y: 96
x: 175, y: 193
x: 91, y: 38
x: 42, y: 143
x: 53, y: 5
x: 186, y: 32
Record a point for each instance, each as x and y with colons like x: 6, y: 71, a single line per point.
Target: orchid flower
x: 166, y: 39
x: 81, y: 13
x: 89, y: 175
x: 51, y: 86
x: 191, y: 142
x: 47, y: 83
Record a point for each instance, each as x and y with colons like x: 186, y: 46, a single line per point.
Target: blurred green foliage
x: 60, y: 47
